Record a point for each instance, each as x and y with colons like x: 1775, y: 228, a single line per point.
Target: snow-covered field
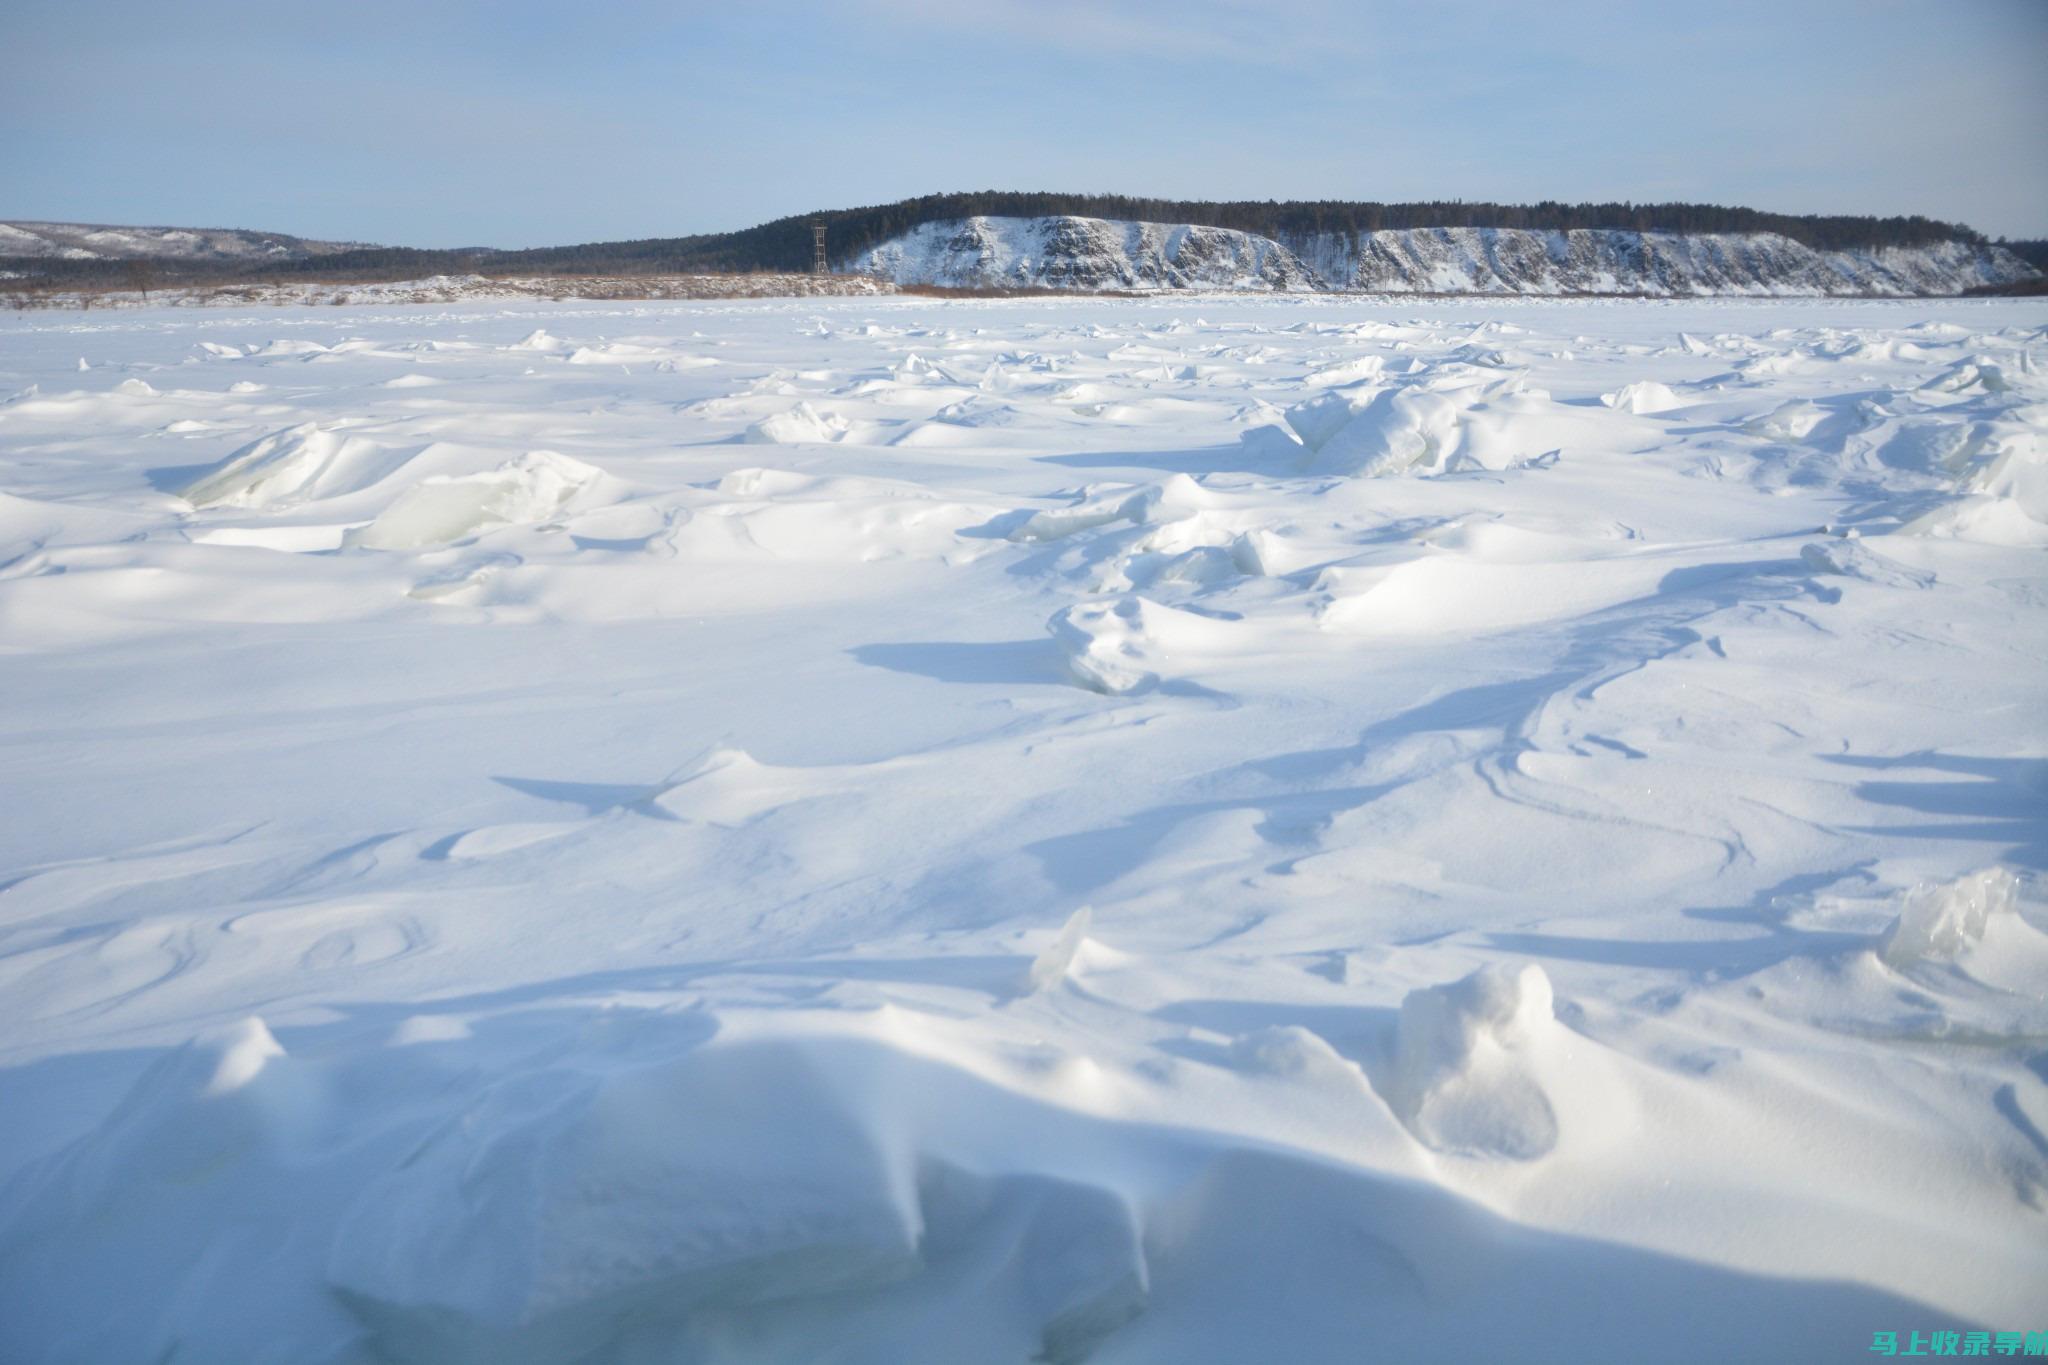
x: 890, y: 830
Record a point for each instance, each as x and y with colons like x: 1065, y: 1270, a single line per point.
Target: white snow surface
x: 901, y: 830
x: 1067, y: 252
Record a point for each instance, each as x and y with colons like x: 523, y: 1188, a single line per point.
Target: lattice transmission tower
x: 818, y: 266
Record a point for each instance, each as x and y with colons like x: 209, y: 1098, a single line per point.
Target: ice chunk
x: 757, y: 482
x: 1368, y: 430
x: 435, y: 511
x: 1938, y: 920
x: 1347, y: 372
x: 1176, y: 498
x: 1399, y: 430
x: 2004, y: 500
x: 1050, y: 967
x: 801, y: 425
x: 1966, y: 375
x: 1119, y: 646
x: 1642, y: 397
x: 299, y: 464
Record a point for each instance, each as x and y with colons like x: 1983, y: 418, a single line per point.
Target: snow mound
x: 1793, y: 421
x: 641, y: 1189
x: 1435, y: 421
x: 1174, y: 498
x: 1939, y: 920
x: 1289, y: 1050
x: 435, y: 511
x: 301, y: 464
x: 531, y: 1231
x: 1122, y: 646
x: 729, y: 787
x: 1854, y: 559
x: 1459, y: 592
x: 2003, y: 489
x: 187, y: 1140
x: 801, y: 425
x: 1643, y: 397
x: 1466, y: 1064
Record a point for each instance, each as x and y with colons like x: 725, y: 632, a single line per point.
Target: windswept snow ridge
x: 902, y: 831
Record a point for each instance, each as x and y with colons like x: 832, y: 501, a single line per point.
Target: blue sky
x: 512, y: 123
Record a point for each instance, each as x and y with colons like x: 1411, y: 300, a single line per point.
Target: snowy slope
x: 1083, y: 254
x: 895, y: 831
x: 87, y: 241
x: 1516, y: 261
x: 1090, y: 254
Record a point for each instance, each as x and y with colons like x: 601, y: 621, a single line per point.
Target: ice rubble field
x: 887, y: 830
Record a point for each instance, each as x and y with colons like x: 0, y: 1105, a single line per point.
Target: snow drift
x: 303, y: 464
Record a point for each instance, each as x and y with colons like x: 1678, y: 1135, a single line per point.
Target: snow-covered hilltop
x: 95, y: 241
x: 1092, y: 254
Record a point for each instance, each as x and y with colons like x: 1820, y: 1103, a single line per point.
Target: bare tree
x: 140, y: 274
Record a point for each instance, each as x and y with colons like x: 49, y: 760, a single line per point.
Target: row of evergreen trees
x: 785, y: 244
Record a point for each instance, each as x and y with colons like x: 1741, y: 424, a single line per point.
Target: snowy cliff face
x: 1520, y: 261
x: 1091, y: 254
x: 1084, y: 254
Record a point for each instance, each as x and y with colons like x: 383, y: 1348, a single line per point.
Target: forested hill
x: 785, y: 244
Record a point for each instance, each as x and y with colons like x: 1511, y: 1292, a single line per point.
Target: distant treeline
x: 785, y: 244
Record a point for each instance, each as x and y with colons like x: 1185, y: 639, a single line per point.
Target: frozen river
x: 895, y: 830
